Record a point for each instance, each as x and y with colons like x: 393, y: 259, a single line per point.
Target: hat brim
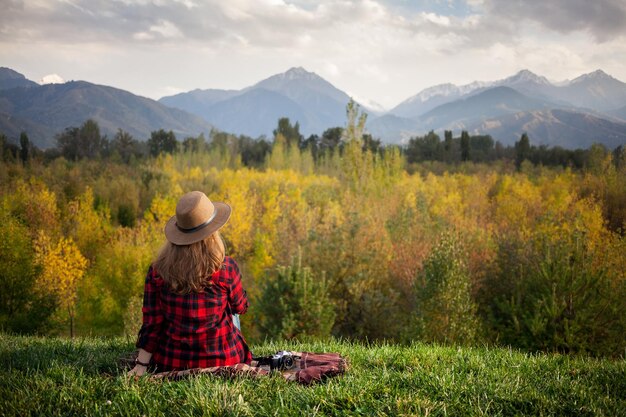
x: 178, y: 237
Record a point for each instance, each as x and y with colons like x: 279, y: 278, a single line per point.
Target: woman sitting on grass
x: 191, y: 293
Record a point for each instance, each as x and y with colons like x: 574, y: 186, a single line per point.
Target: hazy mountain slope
x: 432, y: 97
x: 596, y: 90
x: 12, y: 79
x: 393, y: 129
x: 554, y: 127
x: 490, y: 103
x: 255, y: 112
x: 53, y: 107
x: 524, y: 82
x: 299, y: 84
x: 322, y: 104
x: 529, y: 84
x: 13, y: 126
x: 318, y: 104
x: 198, y: 101
x: 619, y: 113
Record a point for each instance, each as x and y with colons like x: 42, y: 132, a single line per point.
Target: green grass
x: 49, y: 376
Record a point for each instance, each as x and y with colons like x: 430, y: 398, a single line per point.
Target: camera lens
x: 288, y: 362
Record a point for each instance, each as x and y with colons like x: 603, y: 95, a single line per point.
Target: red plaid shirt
x: 194, y: 330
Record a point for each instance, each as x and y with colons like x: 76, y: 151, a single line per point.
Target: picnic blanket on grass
x: 308, y: 368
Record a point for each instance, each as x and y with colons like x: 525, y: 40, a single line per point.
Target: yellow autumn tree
x: 87, y: 227
x: 63, y: 266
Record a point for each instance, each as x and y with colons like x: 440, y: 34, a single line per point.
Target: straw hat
x: 196, y: 219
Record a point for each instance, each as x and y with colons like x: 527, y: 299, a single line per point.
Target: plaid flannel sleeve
x: 149, y: 333
x: 237, y: 297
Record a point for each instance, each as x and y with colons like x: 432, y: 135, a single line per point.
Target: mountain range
x: 524, y: 102
x: 42, y: 111
x: 298, y: 94
x: 576, y: 113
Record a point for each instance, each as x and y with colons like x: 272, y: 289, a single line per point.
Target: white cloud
x: 166, y: 29
x: 51, y: 79
x: 372, y: 48
x: 436, y: 19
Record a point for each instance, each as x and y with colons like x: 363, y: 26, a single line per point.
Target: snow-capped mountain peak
x: 437, y: 90
x: 595, y: 75
x: 524, y: 76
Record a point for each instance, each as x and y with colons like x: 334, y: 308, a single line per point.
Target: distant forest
x: 86, y: 142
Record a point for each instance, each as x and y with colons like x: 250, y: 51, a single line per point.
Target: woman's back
x: 191, y: 292
x: 195, y: 330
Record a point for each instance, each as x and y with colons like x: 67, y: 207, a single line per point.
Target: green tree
x: 357, y: 164
x: 194, y: 145
x: 290, y: 132
x: 560, y: 295
x: 371, y: 144
x: 598, y: 161
x: 522, y: 150
x: 425, y: 148
x: 25, y: 148
x: 84, y: 142
x: 481, y: 148
x: 162, y: 142
x: 295, y: 303
x: 125, y: 146
x: 445, y: 309
x: 253, y: 151
x: 9, y: 150
x: 465, y: 146
x: 448, y: 146
x: 93, y: 144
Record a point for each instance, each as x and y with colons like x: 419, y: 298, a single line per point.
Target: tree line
x: 483, y: 148
x: 87, y: 142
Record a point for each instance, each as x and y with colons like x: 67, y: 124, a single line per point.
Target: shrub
x: 295, y: 303
x: 445, y: 309
x: 562, y: 297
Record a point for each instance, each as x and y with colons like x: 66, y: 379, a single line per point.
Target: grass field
x: 48, y: 376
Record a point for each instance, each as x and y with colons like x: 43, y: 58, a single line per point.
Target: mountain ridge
x: 51, y: 108
x: 594, y: 100
x: 526, y: 82
x: 316, y: 102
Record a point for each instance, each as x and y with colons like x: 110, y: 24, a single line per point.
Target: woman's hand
x: 138, y: 370
x: 141, y: 363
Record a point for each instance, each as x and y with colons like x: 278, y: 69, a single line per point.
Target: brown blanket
x: 308, y: 369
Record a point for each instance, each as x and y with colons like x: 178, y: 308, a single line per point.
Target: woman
x: 191, y: 292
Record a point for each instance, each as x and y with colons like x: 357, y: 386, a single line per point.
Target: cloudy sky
x: 376, y: 50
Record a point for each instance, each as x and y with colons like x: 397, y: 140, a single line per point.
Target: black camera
x: 280, y: 361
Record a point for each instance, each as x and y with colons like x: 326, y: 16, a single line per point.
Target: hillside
x: 522, y: 102
x: 596, y: 90
x: 620, y: 113
x: 564, y: 128
x: 391, y: 126
x: 254, y: 112
x: 12, y: 79
x: 62, y: 377
x: 46, y: 110
x: 303, y: 96
x: 493, y: 102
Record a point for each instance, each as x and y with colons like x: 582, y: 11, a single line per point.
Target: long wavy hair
x: 189, y: 268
